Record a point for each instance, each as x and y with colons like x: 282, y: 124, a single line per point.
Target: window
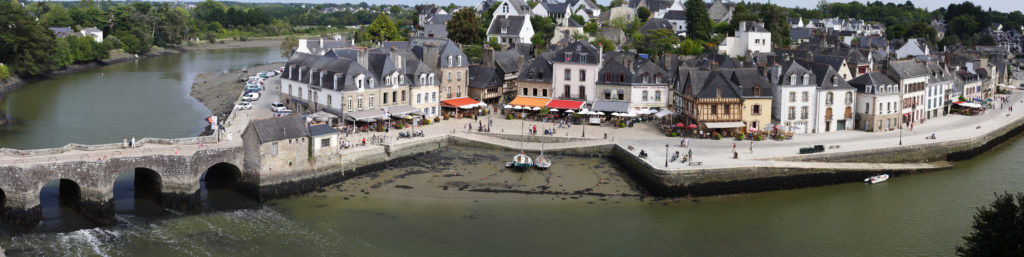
x: 526, y: 91
x: 385, y: 98
x: 807, y: 79
x: 828, y: 98
x: 330, y: 104
x: 458, y: 76
x: 756, y: 109
x: 803, y: 113
x: 657, y: 96
x: 326, y: 142
x: 607, y: 76
x: 714, y: 109
x: 828, y: 113
x: 401, y: 79
x: 657, y: 78
x: 423, y: 79
x: 622, y: 77
x: 792, y: 80
x: 792, y: 97
x: 371, y: 83
x: 534, y: 92
x: 643, y: 96
x: 608, y: 95
x: 567, y: 89
x: 568, y: 75
x: 289, y: 89
x: 583, y: 75
x: 418, y: 98
x: 804, y: 96
x: 867, y: 108
x: 583, y: 92
x: 449, y: 76
x: 847, y: 114
x: 757, y: 90
x: 460, y: 60
x: 370, y: 105
x: 545, y: 91
x: 433, y: 96
x: 360, y: 102
x: 450, y: 61
x: 792, y: 113
x: 273, y: 149
x: 849, y: 97
x: 644, y: 78
x: 349, y: 103
x: 725, y: 109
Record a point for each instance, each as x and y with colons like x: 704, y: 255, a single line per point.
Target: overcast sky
x: 1001, y: 5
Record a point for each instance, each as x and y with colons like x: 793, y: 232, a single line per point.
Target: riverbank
x: 119, y: 56
x: 219, y: 91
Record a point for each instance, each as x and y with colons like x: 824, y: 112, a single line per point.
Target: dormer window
x: 460, y: 60
x: 583, y: 57
x: 568, y: 57
x: 622, y: 77
x: 757, y: 90
x: 423, y: 79
x: 504, y: 30
x: 450, y: 60
x: 401, y: 79
x: 807, y: 79
x: 657, y: 78
x: 792, y: 80
x: 432, y: 79
x: 371, y: 82
x: 645, y: 78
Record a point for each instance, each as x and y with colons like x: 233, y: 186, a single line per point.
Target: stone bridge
x: 170, y: 170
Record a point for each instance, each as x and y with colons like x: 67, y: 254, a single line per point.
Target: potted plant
x: 718, y: 136
x: 510, y: 117
x: 674, y: 134
x: 739, y: 137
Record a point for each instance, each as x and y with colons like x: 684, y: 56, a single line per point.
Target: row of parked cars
x: 253, y: 87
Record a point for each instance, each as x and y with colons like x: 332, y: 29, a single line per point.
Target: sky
x: 1001, y: 5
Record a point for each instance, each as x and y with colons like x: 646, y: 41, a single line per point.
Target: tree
x: 658, y: 41
x: 495, y: 44
x: 25, y: 46
x: 288, y: 44
x: 690, y: 47
x: 543, y: 29
x: 464, y: 27
x: 998, y: 229
x: 4, y: 72
x: 607, y: 44
x: 382, y: 29
x: 698, y: 21
x: 963, y: 26
x: 615, y: 3
x: 590, y: 28
x: 775, y: 22
x: 58, y: 16
x: 643, y: 13
x: 578, y: 19
x: 985, y: 40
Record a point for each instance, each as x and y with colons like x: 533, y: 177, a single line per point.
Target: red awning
x: 565, y: 104
x: 460, y: 102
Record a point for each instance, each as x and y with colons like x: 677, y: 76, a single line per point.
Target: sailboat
x: 522, y: 160
x: 542, y: 162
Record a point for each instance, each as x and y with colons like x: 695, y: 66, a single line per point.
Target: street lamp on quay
x: 666, y: 155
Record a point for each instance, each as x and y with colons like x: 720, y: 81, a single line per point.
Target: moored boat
x: 522, y: 161
x: 877, y: 179
x: 542, y: 162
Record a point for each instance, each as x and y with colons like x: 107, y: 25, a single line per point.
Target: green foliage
x: 658, y: 41
x: 135, y: 44
x: 985, y: 40
x: 58, y: 16
x: 615, y: 3
x: 288, y: 44
x: 998, y: 228
x: 723, y: 28
x: 544, y: 111
x: 963, y: 25
x: 643, y: 13
x: 698, y: 21
x: 495, y: 44
x: 606, y: 44
x: 690, y: 47
x: 27, y: 47
x: 741, y: 13
x: 775, y: 21
x: 578, y: 19
x: 473, y: 52
x: 590, y: 28
x: 464, y: 27
x: 4, y: 72
x: 543, y: 29
x: 739, y: 136
x: 382, y: 29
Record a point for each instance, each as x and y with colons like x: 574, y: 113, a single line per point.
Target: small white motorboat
x: 877, y: 179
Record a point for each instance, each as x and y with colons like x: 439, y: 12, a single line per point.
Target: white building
x: 913, y: 47
x: 938, y: 91
x: 750, y: 38
x: 94, y: 33
x: 912, y: 77
x: 878, y: 99
x: 792, y: 102
x: 834, y: 102
x: 574, y: 72
x: 511, y: 29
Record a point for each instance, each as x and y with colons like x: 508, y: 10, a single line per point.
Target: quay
x: 174, y: 167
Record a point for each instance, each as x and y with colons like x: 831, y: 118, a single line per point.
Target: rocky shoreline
x: 219, y: 91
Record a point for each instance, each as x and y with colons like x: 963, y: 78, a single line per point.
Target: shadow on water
x: 60, y: 202
x: 137, y: 195
x: 220, y: 191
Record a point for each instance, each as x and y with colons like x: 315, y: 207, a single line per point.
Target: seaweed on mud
x: 410, y: 173
x: 463, y: 187
x: 320, y: 205
x: 444, y: 188
x: 403, y: 186
x: 542, y: 188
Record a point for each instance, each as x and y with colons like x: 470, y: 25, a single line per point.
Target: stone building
x: 485, y: 84
x: 448, y: 60
x: 535, y: 77
x: 756, y: 92
x: 276, y: 146
x: 325, y: 141
x: 834, y: 101
x: 878, y: 99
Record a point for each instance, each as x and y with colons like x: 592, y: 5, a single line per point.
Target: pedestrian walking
x: 124, y: 142
x: 734, y: 147
x: 490, y: 122
x: 689, y: 155
x: 133, y: 143
x: 751, y: 147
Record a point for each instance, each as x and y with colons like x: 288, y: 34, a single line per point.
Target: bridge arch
x: 138, y: 191
x: 3, y: 202
x: 61, y: 205
x: 223, y: 188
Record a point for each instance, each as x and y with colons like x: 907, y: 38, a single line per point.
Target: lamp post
x: 666, y: 155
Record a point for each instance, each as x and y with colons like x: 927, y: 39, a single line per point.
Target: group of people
x: 128, y: 144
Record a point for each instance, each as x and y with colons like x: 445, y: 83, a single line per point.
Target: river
x: 145, y: 98
x: 920, y: 215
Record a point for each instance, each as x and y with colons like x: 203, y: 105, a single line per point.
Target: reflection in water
x: 220, y: 192
x: 137, y: 195
x: 59, y: 203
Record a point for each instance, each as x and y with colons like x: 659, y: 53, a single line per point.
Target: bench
x: 695, y: 163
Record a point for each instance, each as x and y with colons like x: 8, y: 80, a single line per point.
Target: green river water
x: 918, y: 215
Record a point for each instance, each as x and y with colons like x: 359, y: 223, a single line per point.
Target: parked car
x: 251, y: 97
x: 282, y: 112
x: 243, y: 106
x: 277, y: 106
x: 255, y: 87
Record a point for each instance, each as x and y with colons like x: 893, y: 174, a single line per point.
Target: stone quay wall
x: 112, y: 146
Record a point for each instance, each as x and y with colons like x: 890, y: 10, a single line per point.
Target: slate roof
x: 908, y: 68
x: 609, y: 106
x: 61, y: 32
x: 507, y: 61
x: 322, y: 129
x: 656, y: 23
x: 537, y: 69
x: 481, y: 76
x: 577, y: 52
x: 513, y: 23
x: 614, y: 65
x: 716, y: 81
x: 754, y: 27
x: 450, y: 49
x: 872, y: 79
x: 747, y: 79
x: 827, y: 78
x: 835, y: 61
x: 345, y: 68
x: 678, y: 15
x: 280, y: 128
x: 797, y: 34
x: 555, y: 8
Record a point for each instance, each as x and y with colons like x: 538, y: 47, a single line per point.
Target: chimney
x: 743, y: 25
x: 521, y: 61
x: 430, y: 55
x: 321, y: 43
x: 363, y: 57
x: 487, y: 56
x: 600, y: 53
x: 669, y: 61
x: 396, y: 58
x: 302, y: 42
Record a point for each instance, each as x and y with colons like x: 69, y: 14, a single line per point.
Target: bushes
x: 437, y: 119
x: 739, y: 136
x: 510, y: 117
x: 718, y: 136
x: 4, y: 72
x: 674, y: 134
